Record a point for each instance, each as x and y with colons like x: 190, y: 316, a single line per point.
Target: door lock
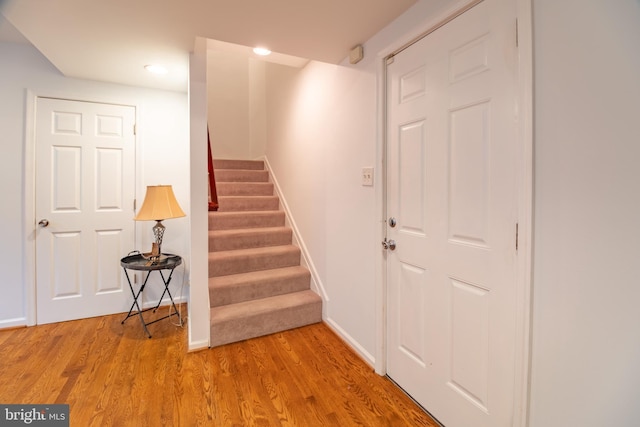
x: 389, y: 244
x: 43, y: 223
x: 392, y: 222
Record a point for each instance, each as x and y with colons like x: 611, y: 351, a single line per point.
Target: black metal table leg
x: 137, y: 262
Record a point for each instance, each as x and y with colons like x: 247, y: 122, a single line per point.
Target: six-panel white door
x: 451, y: 188
x: 85, y: 158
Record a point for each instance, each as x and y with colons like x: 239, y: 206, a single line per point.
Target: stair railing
x: 213, y: 195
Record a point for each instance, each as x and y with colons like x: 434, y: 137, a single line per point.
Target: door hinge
x: 517, y: 41
x: 134, y: 204
x: 517, y: 236
x: 135, y: 129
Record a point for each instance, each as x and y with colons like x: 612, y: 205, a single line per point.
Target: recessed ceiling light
x: 262, y: 51
x: 156, y: 69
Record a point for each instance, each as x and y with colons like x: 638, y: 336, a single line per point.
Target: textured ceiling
x: 113, y: 40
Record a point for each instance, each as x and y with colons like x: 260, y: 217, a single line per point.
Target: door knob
x: 43, y: 223
x: 389, y: 244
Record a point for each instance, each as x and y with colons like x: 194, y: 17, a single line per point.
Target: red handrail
x: 213, y: 195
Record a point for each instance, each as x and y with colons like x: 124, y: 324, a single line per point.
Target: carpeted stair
x: 256, y: 283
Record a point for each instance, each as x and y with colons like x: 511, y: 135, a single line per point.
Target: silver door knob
x: 389, y: 244
x: 43, y: 223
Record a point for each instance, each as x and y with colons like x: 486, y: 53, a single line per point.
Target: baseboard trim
x: 195, y: 345
x: 348, y: 339
x: 316, y: 284
x: 16, y: 322
x: 165, y: 302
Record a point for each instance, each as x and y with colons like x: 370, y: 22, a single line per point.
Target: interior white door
x: 451, y: 149
x: 85, y: 160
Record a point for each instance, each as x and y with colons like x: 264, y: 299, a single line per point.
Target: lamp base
x: 158, y: 233
x: 156, y: 253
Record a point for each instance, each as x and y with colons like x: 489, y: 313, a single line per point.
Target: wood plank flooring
x: 113, y: 375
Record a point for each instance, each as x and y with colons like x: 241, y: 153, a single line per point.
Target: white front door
x: 85, y: 157
x: 451, y: 148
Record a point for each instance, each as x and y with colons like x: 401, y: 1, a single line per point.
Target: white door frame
x: 524, y: 188
x: 29, y: 256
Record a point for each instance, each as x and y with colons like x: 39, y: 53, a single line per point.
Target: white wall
x: 257, y: 108
x: 199, y: 330
x: 322, y: 130
x: 228, y: 104
x: 162, y: 143
x: 236, y: 112
x: 586, y: 316
x: 326, y: 135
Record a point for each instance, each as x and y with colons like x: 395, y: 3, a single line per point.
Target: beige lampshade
x: 159, y: 203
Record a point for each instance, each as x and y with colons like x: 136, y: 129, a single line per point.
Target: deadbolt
x: 43, y: 223
x: 392, y: 222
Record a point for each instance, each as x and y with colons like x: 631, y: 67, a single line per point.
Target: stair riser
x: 246, y: 241
x: 224, y: 221
x: 231, y: 175
x: 222, y: 266
x: 265, y: 323
x: 244, y: 189
x: 224, y: 295
x: 234, y: 204
x: 238, y: 164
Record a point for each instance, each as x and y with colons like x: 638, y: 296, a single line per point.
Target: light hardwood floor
x: 113, y: 375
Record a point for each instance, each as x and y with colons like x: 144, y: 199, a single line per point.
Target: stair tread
x: 238, y: 164
x: 247, y: 189
x: 245, y: 183
x: 227, y: 179
x: 244, y: 238
x: 234, y: 288
x: 257, y: 307
x: 227, y: 214
x: 249, y: 231
x: 248, y: 203
x: 239, y: 170
x: 263, y: 196
x: 269, y: 250
x: 253, y: 276
x: 229, y: 220
x: 245, y: 213
x: 235, y: 261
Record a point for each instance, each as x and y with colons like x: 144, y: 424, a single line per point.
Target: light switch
x: 367, y: 176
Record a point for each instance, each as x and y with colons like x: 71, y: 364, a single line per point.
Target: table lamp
x: 159, y: 204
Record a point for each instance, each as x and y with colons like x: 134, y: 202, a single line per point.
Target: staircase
x: 256, y: 283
